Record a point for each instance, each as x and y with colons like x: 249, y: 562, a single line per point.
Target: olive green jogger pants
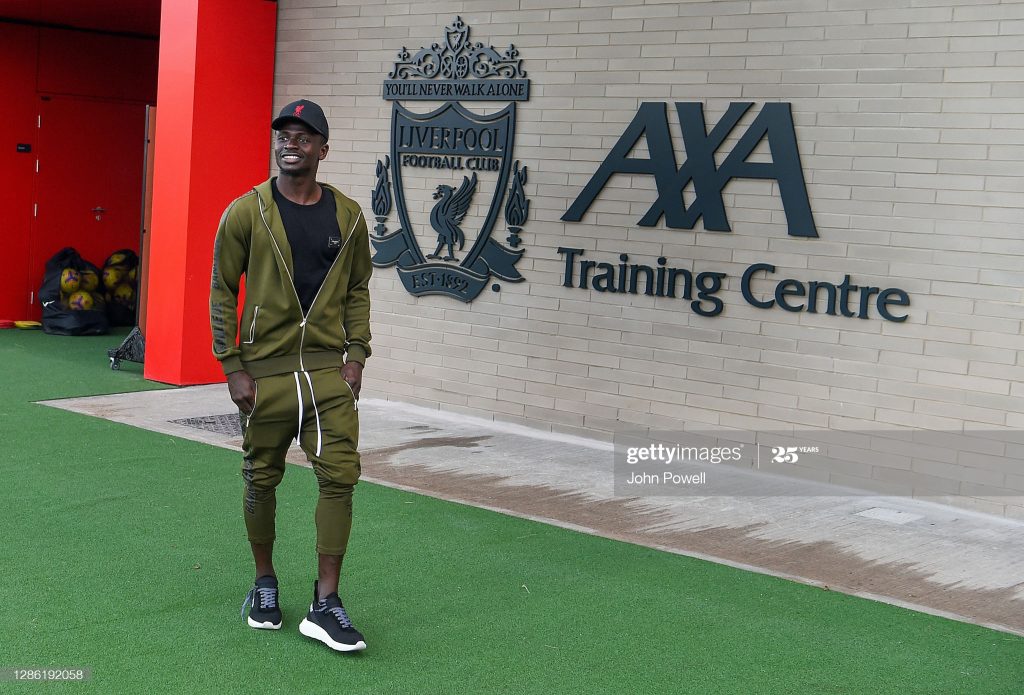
x: 319, y: 408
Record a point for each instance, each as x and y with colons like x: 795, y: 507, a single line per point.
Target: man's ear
x: 324, y: 149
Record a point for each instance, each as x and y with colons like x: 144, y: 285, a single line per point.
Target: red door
x: 89, y: 183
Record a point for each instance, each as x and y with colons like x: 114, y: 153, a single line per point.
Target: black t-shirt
x: 315, y: 240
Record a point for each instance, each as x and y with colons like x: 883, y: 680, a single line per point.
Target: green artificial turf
x: 124, y: 552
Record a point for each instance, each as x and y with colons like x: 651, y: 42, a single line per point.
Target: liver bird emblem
x: 448, y: 213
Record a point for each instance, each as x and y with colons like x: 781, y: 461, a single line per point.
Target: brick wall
x: 907, y: 115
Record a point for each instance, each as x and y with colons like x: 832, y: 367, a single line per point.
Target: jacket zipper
x: 305, y: 316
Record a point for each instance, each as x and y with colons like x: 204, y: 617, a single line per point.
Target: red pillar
x: 214, y: 107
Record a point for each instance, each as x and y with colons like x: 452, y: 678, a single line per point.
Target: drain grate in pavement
x: 229, y: 424
x: 893, y: 516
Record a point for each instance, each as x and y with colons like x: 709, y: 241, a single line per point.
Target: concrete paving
x: 933, y: 558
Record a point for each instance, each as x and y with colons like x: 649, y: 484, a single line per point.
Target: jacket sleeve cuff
x: 356, y: 353
x: 231, y: 364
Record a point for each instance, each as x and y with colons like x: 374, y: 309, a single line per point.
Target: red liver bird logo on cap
x: 298, y: 109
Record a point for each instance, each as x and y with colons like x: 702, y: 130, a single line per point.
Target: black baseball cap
x: 304, y: 111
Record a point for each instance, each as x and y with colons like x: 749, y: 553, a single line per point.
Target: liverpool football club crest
x: 451, y: 174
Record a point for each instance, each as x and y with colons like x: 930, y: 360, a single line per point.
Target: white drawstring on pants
x: 298, y: 397
x: 316, y: 411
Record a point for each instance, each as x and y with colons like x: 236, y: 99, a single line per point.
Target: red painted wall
x: 97, y: 65
x: 18, y: 60
x: 214, y: 107
x: 42, y: 61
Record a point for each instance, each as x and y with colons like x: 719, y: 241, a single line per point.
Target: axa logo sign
x: 774, y: 122
x: 467, y: 160
x: 701, y: 173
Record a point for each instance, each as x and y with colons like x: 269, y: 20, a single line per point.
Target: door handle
x: 98, y: 211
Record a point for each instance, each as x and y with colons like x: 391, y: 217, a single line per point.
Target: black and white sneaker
x: 328, y: 622
x: 264, y: 611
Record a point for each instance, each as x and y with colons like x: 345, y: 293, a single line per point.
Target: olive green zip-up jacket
x: 275, y: 337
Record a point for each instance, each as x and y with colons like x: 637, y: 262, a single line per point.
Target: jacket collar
x: 265, y: 193
x: 272, y: 216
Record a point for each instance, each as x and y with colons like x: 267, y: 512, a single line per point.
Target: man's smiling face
x: 298, y: 149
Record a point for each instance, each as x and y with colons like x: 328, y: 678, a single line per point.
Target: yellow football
x: 112, y: 277
x: 124, y: 294
x: 80, y: 301
x: 70, y: 279
x: 90, y: 280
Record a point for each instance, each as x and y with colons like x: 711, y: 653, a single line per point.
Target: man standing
x: 294, y: 366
